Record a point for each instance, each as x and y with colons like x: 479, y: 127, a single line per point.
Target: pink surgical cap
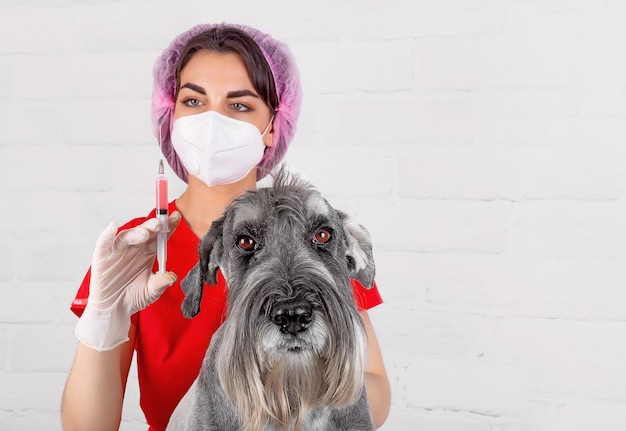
x: 286, y: 79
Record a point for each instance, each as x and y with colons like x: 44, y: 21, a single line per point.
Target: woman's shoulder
x: 139, y: 220
x: 133, y: 223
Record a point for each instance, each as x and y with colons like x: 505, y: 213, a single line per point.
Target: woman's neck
x: 200, y: 204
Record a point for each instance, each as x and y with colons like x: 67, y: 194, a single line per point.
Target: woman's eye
x: 246, y: 243
x: 322, y: 236
x: 240, y: 107
x: 192, y: 103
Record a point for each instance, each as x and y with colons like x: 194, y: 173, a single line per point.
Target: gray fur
x: 291, y: 354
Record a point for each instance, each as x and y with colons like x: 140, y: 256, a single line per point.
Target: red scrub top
x: 170, y: 348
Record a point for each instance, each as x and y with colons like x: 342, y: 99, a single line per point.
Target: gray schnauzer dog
x: 292, y: 351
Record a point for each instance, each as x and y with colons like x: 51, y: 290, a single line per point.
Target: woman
x: 212, y: 81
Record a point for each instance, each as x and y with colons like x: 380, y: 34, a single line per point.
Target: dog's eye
x: 322, y: 236
x: 246, y: 243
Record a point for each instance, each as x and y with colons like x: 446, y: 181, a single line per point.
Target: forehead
x: 215, y: 68
x: 315, y: 205
x: 259, y: 207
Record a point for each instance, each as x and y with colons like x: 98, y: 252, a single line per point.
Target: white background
x: 480, y: 141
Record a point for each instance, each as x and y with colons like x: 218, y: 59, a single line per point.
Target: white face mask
x: 217, y: 149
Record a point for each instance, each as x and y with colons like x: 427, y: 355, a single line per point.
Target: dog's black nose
x: 292, y: 316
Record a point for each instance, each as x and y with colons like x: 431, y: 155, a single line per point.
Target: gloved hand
x: 122, y: 282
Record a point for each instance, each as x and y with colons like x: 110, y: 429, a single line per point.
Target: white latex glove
x: 122, y: 282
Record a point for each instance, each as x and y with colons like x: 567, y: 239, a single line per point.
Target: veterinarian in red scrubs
x: 243, y: 83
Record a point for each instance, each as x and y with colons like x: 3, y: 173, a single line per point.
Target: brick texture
x: 481, y: 142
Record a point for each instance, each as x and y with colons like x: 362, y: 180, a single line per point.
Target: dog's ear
x: 359, y: 251
x: 210, y: 251
x: 193, y: 293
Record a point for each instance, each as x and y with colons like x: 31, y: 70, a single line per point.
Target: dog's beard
x: 281, y: 376
x: 293, y: 384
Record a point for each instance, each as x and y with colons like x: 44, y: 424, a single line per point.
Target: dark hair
x: 232, y: 40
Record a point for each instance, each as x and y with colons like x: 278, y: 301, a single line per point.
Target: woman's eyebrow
x: 194, y: 87
x: 241, y: 93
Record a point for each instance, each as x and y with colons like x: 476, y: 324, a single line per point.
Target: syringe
x: 161, y: 214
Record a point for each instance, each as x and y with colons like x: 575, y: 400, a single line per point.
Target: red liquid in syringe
x: 161, y: 214
x: 161, y: 190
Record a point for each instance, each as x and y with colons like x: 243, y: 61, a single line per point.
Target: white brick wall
x: 482, y: 143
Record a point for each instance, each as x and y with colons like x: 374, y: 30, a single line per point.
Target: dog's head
x: 289, y: 224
